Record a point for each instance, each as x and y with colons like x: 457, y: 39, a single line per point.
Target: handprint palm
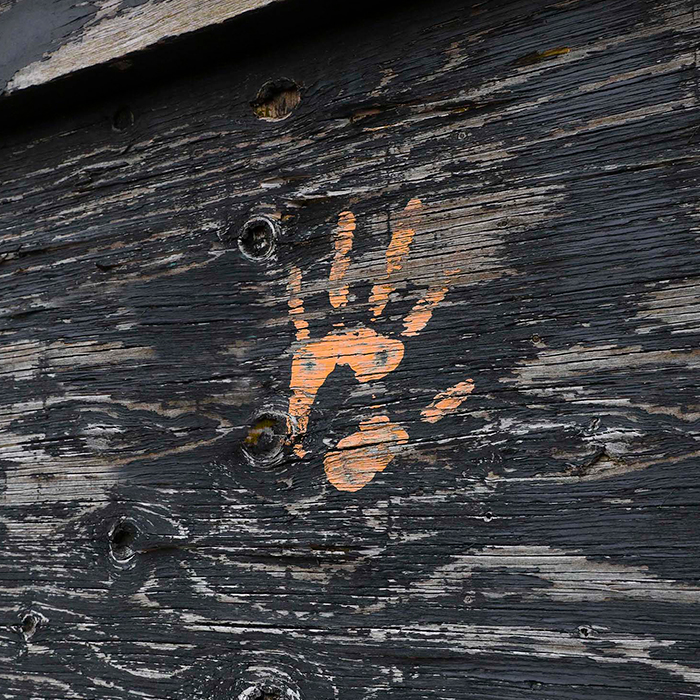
x: 370, y: 355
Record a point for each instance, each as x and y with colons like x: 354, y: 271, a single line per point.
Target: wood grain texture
x: 168, y: 530
x: 41, y: 40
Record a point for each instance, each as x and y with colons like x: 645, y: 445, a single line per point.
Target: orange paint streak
x: 422, y: 312
x: 396, y: 254
x: 360, y: 456
x: 379, y: 297
x: 370, y: 356
x: 447, y: 401
x: 338, y: 292
x: 299, y: 451
x: 401, y: 239
x: 296, y: 305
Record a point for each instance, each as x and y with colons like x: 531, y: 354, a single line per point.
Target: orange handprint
x: 370, y: 355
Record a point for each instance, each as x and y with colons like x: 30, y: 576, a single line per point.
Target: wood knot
x: 262, y: 694
x: 276, y: 99
x: 266, y: 438
x: 29, y: 624
x: 257, y: 238
x: 266, y: 691
x: 122, y: 540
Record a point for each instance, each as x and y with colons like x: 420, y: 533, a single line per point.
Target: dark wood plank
x: 169, y: 531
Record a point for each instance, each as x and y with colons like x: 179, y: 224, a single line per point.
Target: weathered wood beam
x: 41, y: 40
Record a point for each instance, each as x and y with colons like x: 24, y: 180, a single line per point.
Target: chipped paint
x: 296, y: 304
x: 506, y: 538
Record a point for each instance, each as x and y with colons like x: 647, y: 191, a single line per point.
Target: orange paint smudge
x: 379, y: 297
x: 369, y: 355
x: 299, y: 451
x: 396, y: 254
x: 422, y: 312
x: 360, y: 456
x: 420, y: 315
x: 447, y: 401
x: 338, y: 295
x: 296, y: 305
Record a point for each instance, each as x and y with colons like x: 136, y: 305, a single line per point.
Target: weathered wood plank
x: 167, y: 532
x: 41, y: 40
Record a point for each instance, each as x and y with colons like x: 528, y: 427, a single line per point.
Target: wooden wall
x: 356, y: 356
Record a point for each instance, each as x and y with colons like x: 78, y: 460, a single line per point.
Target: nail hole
x: 276, y: 99
x: 267, y: 435
x: 123, y: 119
x: 257, y: 238
x: 122, y: 540
x: 29, y: 625
x: 584, y: 631
x: 488, y: 516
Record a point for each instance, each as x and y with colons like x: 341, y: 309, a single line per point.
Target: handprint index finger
x: 337, y: 291
x: 421, y: 313
x: 396, y: 254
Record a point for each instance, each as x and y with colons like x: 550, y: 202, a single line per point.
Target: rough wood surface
x: 439, y: 439
x: 41, y: 40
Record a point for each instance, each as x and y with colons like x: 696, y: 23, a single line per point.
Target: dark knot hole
x: 122, y: 540
x: 257, y: 238
x: 29, y: 625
